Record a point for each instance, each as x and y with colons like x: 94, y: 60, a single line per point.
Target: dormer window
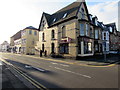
x: 54, y: 19
x: 96, y: 23
x: 90, y: 17
x: 64, y: 15
x: 103, y: 25
x: 110, y: 29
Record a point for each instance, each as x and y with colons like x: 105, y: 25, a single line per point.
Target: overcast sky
x: 15, y: 15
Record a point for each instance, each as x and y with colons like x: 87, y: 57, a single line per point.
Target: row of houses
x: 71, y: 32
x: 4, y: 47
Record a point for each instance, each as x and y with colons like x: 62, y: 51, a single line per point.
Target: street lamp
x: 104, y: 44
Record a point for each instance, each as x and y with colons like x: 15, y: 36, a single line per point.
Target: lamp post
x: 104, y: 43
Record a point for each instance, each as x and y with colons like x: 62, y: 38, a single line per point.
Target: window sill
x: 53, y: 39
x: 43, y: 40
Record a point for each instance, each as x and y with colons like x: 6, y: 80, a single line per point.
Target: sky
x: 15, y: 15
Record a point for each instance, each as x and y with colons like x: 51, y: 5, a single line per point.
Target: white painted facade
x: 105, y: 38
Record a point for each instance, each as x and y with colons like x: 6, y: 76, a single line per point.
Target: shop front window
x: 96, y: 47
x: 79, y: 47
x: 64, y: 49
x: 87, y: 47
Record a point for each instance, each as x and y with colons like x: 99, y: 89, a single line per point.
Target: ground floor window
x: 96, y: 47
x: 64, y: 48
x: 23, y: 49
x: 52, y: 47
x: 87, y: 47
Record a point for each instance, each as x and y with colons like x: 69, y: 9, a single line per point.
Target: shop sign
x: 66, y: 40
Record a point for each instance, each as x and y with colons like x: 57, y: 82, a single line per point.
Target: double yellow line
x: 32, y: 81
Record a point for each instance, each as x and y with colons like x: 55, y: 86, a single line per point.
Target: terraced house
x: 114, y: 37
x: 68, y: 32
x: 24, y: 40
x: 15, y: 42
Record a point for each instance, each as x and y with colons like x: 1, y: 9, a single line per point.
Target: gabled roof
x: 71, y: 12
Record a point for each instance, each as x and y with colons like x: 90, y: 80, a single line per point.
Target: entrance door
x: 52, y: 48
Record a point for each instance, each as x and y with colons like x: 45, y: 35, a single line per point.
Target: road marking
x: 27, y: 66
x: 64, y: 65
x: 60, y: 64
x: 32, y: 81
x: 38, y: 69
x: 54, y: 63
x: 72, y: 72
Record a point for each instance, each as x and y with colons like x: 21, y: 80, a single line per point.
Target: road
x: 53, y: 74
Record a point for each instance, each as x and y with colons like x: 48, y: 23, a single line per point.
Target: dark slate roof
x: 71, y: 11
x: 17, y: 35
x: 113, y: 25
x: 31, y: 27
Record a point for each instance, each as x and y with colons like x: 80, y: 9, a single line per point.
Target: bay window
x: 96, y: 34
x: 81, y: 29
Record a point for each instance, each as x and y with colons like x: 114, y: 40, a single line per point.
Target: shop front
x: 85, y: 46
x: 64, y: 45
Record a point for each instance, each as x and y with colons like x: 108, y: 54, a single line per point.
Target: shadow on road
x: 28, y: 68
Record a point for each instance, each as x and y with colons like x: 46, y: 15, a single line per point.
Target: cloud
x: 105, y: 11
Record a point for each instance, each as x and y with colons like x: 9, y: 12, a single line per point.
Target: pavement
x: 86, y: 61
x: 94, y: 61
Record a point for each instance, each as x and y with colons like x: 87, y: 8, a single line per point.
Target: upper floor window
x: 104, y: 36
x: 96, y: 34
x: 82, y: 12
x: 35, y: 32
x: 87, y: 29
x: 23, y: 33
x: 43, y: 36
x: 82, y: 30
x: 53, y: 34
x: 23, y: 41
x: 100, y: 34
x: 91, y: 33
x: 30, y: 31
x: 63, y: 31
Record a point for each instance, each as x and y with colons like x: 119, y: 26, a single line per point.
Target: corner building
x: 68, y: 32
